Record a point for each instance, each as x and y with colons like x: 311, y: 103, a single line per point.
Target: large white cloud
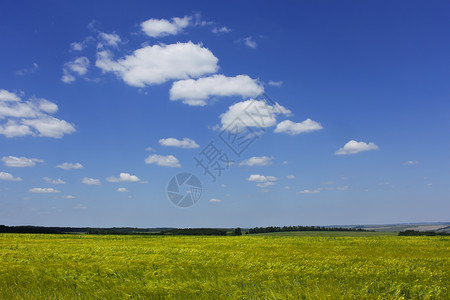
x: 30, y: 117
x: 292, y: 128
x: 50, y: 127
x: 20, y: 162
x: 353, y: 147
x: 9, y: 177
x: 197, y: 92
x: 257, y: 161
x: 184, y: 143
x: 159, y: 63
x: 253, y: 113
x: 163, y: 27
x: 8, y: 96
x: 70, y: 166
x: 12, y: 128
x: 163, y: 161
x: 124, y: 177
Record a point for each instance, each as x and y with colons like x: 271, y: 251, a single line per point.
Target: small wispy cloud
x: 90, y: 181
x: 411, y: 163
x: 27, y: 71
x: 275, y: 83
x: 218, y: 30
x: 306, y: 192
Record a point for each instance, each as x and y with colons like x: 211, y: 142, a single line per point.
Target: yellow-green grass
x: 244, y: 267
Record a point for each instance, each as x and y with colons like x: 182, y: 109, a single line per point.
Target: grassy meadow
x: 241, y: 267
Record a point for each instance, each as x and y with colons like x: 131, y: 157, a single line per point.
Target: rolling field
x: 244, y: 267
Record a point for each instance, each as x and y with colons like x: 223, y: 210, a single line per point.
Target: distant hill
x: 426, y: 226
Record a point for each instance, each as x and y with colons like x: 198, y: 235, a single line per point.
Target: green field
x: 242, y: 267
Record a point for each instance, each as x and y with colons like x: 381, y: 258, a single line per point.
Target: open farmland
x: 246, y: 267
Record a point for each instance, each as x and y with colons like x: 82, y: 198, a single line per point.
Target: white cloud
x: 70, y: 166
x: 290, y: 177
x: 249, y: 42
x: 80, y: 46
x: 110, y: 39
x: 90, y: 181
x: 79, y: 66
x: 76, y: 46
x: 253, y: 113
x: 353, y: 147
x: 69, y: 197
x: 8, y: 96
x: 150, y: 149
x: 12, y: 129
x: 265, y: 184
x: 411, y: 163
x: 54, y: 181
x: 9, y: 177
x: 308, y: 192
x: 163, y: 161
x: 50, y: 127
x: 213, y: 200
x: 124, y: 177
x: 261, y: 178
x: 30, y: 117
x: 287, y: 187
x: 342, y: 188
x: 197, y: 92
x: 122, y: 190
x: 292, y: 128
x: 163, y: 27
x: 47, y: 106
x: 275, y: 83
x: 184, y: 143
x: 20, y: 162
x: 222, y: 29
x: 257, y: 161
x: 43, y: 190
x: 26, y: 71
x: 159, y: 63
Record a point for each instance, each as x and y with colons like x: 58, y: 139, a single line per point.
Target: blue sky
x: 101, y: 104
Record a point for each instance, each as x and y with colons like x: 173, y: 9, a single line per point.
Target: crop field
x: 241, y: 267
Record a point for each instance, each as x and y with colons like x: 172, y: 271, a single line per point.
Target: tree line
x: 118, y: 230
x: 300, y: 228
x: 422, y: 233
